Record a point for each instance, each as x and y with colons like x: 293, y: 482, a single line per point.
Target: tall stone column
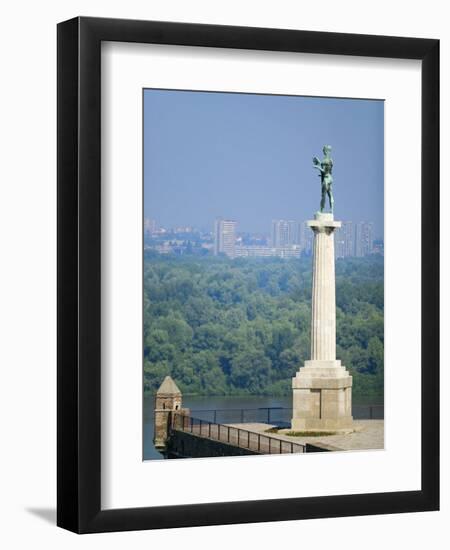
x: 322, y: 387
x: 323, y: 300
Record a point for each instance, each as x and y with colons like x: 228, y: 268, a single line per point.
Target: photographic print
x: 263, y: 274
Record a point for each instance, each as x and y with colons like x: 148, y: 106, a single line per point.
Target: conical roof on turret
x: 168, y: 387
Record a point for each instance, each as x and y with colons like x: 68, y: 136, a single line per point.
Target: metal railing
x: 368, y: 412
x: 260, y: 414
x: 279, y: 416
x: 245, y: 439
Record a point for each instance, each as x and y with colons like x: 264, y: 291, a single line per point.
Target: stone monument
x: 322, y: 388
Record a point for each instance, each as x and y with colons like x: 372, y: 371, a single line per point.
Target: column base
x: 322, y: 397
x: 338, y: 425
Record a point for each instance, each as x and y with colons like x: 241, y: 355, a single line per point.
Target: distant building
x: 183, y: 229
x: 164, y: 248
x: 209, y: 247
x: 149, y: 226
x: 305, y: 238
x: 255, y: 251
x: 363, y: 239
x: 338, y: 246
x: 284, y: 233
x: 345, y: 240
x: 225, y: 237
x: 378, y: 247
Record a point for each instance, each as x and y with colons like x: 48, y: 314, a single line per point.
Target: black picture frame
x: 79, y: 280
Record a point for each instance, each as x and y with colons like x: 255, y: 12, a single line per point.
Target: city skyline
x: 250, y: 157
x: 286, y: 239
x: 209, y: 228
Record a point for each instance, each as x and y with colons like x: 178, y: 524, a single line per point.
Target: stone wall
x: 186, y: 445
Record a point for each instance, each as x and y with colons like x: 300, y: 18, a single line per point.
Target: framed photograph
x: 248, y: 274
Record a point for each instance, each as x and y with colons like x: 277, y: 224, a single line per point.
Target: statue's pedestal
x: 322, y: 397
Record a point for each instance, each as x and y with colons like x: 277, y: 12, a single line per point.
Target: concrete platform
x: 367, y: 435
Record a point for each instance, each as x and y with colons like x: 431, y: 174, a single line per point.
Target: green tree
x: 250, y: 371
x: 243, y: 326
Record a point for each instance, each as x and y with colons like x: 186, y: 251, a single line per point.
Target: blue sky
x: 248, y: 157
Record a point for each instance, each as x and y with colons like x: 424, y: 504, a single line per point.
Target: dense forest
x: 241, y: 327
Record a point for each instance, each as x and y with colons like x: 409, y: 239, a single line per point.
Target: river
x: 276, y: 410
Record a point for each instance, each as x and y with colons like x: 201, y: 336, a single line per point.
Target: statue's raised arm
x: 316, y: 163
x: 325, y: 167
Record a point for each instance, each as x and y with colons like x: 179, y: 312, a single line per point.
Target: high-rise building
x: 338, y: 245
x: 305, y: 238
x: 225, y: 237
x: 345, y: 240
x: 294, y: 232
x: 378, y: 247
x: 149, y: 226
x: 284, y: 233
x: 363, y: 239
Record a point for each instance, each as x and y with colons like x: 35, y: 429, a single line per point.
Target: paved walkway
x: 368, y: 434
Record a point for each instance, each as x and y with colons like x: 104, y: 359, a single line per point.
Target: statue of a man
x: 325, y: 167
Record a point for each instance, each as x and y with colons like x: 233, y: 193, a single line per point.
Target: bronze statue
x: 325, y: 168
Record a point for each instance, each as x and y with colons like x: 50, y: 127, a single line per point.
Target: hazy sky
x: 249, y: 158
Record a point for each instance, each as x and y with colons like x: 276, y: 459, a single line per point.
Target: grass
x: 308, y: 434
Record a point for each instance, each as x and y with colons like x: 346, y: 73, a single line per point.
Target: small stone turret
x: 168, y: 398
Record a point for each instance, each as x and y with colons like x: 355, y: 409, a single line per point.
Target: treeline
x: 237, y: 327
